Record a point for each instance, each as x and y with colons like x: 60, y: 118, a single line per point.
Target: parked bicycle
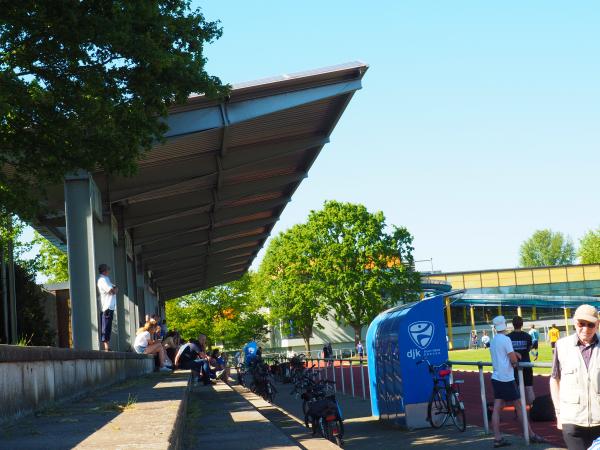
x: 445, y: 398
x: 258, y: 379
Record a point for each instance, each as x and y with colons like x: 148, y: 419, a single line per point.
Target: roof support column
x: 105, y: 254
x: 140, y: 294
x: 79, y: 214
x: 121, y: 280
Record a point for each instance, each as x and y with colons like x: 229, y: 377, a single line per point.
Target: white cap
x: 499, y: 323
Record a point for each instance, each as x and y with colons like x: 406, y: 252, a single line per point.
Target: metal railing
x: 520, y: 366
x: 327, y: 369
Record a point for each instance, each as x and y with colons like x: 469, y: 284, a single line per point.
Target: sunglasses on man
x: 584, y: 324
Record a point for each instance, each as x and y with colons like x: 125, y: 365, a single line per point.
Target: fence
x: 350, y: 376
x: 480, y: 365
x: 346, y: 381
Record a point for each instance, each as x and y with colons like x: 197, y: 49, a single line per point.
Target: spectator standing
x: 360, y: 350
x: 535, y: 337
x: 522, y: 343
x: 554, y: 336
x: 474, y: 339
x: 485, y: 339
x: 325, y: 352
x: 504, y: 359
x: 574, y: 381
x: 108, y: 302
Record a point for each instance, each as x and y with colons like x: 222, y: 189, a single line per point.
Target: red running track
x: 469, y: 393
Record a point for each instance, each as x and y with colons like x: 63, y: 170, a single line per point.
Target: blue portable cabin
x: 396, y: 340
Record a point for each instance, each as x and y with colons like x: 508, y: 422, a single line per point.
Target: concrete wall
x: 33, y: 377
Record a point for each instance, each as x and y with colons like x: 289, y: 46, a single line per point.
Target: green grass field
x: 483, y: 354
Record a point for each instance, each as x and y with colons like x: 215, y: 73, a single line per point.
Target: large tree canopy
x: 344, y: 260
x: 227, y: 314
x: 288, y: 285
x: 589, y: 247
x: 547, y: 248
x: 364, y: 269
x: 84, y: 85
x: 50, y: 261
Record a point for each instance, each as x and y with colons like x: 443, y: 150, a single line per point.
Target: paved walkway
x: 364, y: 432
x: 143, y: 413
x: 137, y: 414
x: 218, y: 418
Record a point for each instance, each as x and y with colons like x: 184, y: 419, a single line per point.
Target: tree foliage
x: 85, y: 85
x: 589, y: 247
x: 51, y: 262
x: 342, y: 260
x: 547, y: 248
x: 363, y: 268
x: 227, y: 314
x: 288, y: 285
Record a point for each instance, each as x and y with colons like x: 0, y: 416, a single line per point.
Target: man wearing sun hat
x: 575, y: 383
x: 504, y: 359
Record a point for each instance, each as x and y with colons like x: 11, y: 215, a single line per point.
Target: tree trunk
x: 306, y: 334
x: 357, y: 334
x: 307, y: 344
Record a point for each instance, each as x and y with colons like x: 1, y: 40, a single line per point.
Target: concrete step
x: 139, y: 413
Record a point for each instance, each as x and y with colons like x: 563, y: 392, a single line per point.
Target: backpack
x: 542, y: 409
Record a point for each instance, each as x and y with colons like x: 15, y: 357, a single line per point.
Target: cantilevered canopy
x: 527, y: 300
x: 202, y: 204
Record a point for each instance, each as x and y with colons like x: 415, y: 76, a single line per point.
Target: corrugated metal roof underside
x: 203, y: 203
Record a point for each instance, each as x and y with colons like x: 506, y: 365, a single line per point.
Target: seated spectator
x: 218, y: 365
x: 148, y: 346
x: 192, y: 356
x: 171, y: 344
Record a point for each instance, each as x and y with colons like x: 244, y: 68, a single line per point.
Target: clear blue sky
x: 477, y: 124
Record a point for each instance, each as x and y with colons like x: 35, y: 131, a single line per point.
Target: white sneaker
x: 164, y: 369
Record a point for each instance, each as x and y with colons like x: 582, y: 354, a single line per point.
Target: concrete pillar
x: 120, y: 272
x: 79, y: 212
x: 449, y: 320
x: 4, y: 280
x: 140, y: 284
x: 12, y: 293
x: 104, y: 248
x: 131, y: 297
x: 472, y: 309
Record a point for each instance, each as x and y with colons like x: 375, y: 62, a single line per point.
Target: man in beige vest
x: 574, y: 383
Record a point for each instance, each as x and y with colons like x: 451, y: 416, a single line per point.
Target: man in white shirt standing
x: 108, y: 301
x: 504, y: 359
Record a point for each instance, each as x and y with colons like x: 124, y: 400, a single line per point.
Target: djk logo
x: 421, y: 333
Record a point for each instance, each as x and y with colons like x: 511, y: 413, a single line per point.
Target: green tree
x: 589, y: 247
x: 288, y: 286
x: 363, y: 268
x: 547, y: 248
x: 86, y: 85
x: 227, y: 314
x: 51, y: 262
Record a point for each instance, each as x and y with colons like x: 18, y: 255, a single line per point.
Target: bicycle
x: 445, y: 398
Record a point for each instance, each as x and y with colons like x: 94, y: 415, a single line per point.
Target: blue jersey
x: 535, y: 335
x: 250, y: 351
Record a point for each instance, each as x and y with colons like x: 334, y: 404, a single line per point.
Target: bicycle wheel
x: 270, y: 394
x: 437, y: 410
x: 458, y: 412
x: 305, y: 406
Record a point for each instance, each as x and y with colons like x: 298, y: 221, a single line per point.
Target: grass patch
x: 483, y: 354
x: 120, y: 406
